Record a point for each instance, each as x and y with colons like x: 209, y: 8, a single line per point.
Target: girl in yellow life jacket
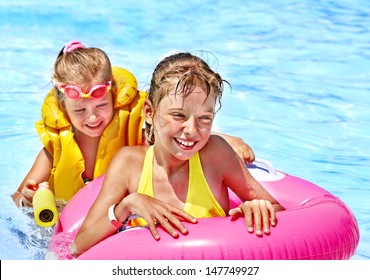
x: 93, y: 110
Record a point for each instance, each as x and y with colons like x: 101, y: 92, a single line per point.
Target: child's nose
x: 92, y: 115
x: 190, y: 126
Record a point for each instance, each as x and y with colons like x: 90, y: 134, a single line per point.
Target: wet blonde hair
x: 82, y: 66
x: 181, y: 73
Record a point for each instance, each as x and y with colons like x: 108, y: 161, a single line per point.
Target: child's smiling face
x: 90, y: 116
x: 183, y: 124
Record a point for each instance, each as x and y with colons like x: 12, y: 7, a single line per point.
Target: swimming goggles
x: 94, y: 92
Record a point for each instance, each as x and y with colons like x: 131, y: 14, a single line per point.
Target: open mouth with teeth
x: 185, y: 143
x: 94, y: 126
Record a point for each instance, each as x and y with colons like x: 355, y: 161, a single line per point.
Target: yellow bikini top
x: 56, y: 134
x: 200, y: 201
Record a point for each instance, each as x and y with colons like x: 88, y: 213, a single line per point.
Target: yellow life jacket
x: 56, y: 134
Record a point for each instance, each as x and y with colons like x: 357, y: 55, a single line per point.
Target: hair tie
x: 73, y: 45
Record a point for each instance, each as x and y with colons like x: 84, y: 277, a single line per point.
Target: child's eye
x: 178, y: 116
x: 206, y: 118
x: 79, y: 111
x: 102, y: 105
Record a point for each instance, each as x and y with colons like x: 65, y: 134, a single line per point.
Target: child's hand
x: 259, y: 211
x: 243, y: 150
x: 28, y: 191
x: 154, y: 210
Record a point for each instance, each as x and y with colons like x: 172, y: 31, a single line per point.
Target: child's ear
x: 148, y: 112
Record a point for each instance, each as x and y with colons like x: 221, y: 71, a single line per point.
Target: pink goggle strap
x: 73, y: 45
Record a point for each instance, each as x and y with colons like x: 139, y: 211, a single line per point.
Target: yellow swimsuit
x: 56, y: 134
x: 200, y: 201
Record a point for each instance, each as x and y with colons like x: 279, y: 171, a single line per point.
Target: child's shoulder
x: 215, y: 147
x: 133, y: 151
x: 216, y: 157
x: 216, y: 142
x: 131, y: 154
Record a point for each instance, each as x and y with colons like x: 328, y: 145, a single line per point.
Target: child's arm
x: 259, y: 206
x: 243, y: 150
x: 97, y: 225
x: 39, y: 172
x: 119, y: 188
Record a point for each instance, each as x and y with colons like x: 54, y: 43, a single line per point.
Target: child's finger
x: 248, y: 215
x: 265, y: 216
x: 181, y: 213
x: 257, y: 215
x: 272, y: 215
x: 153, y: 229
x: 236, y: 212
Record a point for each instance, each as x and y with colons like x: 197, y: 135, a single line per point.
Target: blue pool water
x: 299, y: 70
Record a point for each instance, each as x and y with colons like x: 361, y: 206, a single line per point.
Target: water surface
x: 299, y: 70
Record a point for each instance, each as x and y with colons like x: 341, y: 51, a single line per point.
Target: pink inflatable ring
x: 315, y: 225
